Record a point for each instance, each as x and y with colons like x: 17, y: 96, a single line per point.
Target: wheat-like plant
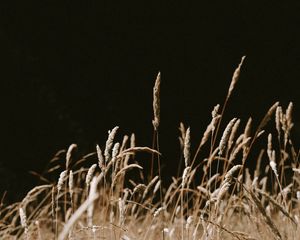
x: 227, y: 201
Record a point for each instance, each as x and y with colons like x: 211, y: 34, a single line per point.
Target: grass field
x: 215, y: 197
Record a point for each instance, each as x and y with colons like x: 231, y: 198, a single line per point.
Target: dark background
x: 71, y: 70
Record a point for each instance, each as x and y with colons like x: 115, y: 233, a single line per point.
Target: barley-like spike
x: 189, y: 221
x: 273, y: 164
x: 71, y: 183
x: 235, y: 77
x: 90, y: 174
x: 267, y: 117
x: 23, y: 220
x: 224, y: 188
x: 151, y: 183
x: 269, y: 148
x: 158, y: 211
x: 157, y: 185
x: 185, y: 175
x: 215, y: 111
x: 234, y: 154
x: 288, y: 114
x: 69, y: 154
x: 109, y: 143
x: 225, y: 136
x: 61, y: 179
x: 278, y: 117
x: 229, y: 174
x: 115, y: 151
x: 156, y: 102
x: 187, y: 146
x: 233, y: 133
x: 100, y: 158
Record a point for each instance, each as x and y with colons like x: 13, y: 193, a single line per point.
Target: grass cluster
x: 215, y: 197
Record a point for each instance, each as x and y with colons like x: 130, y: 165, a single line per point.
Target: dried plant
x: 156, y: 103
x: 117, y: 202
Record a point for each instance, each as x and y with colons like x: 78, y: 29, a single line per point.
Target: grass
x: 216, y: 196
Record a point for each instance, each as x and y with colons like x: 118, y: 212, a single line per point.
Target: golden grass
x: 205, y: 202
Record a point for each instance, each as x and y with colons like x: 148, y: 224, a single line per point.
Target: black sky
x: 71, y: 70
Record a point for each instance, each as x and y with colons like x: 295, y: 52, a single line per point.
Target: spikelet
x: 169, y: 191
x: 225, y: 136
x: 158, y: 211
x: 260, y: 133
x: 269, y: 147
x: 273, y: 164
x: 189, y: 222
x: 182, y: 135
x: 61, y: 179
x: 211, y: 126
x: 115, y: 151
x: 71, y: 183
x: 278, y: 117
x: 100, y: 158
x: 132, y: 140
x: 177, y: 210
x: 69, y: 154
x: 234, y: 154
x: 297, y: 170
x: 23, y: 220
x: 109, y: 143
x: 156, y: 103
x: 235, y: 77
x: 90, y: 174
x: 215, y: 116
x: 234, y: 169
x: 222, y: 191
x: 151, y: 183
x: 139, y: 188
x: 185, y: 175
x: 239, y: 139
x: 191, y: 177
x: 206, y: 134
x: 132, y: 146
x: 187, y: 146
x: 247, y: 129
x: 246, y: 134
x: 267, y: 117
x: 203, y: 190
x: 215, y: 111
x: 157, y: 185
x: 126, y: 192
x: 212, y: 179
x: 124, y: 143
x: 233, y: 133
x: 287, y: 123
x: 288, y: 114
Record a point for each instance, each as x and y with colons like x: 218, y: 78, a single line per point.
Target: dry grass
x: 227, y: 202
